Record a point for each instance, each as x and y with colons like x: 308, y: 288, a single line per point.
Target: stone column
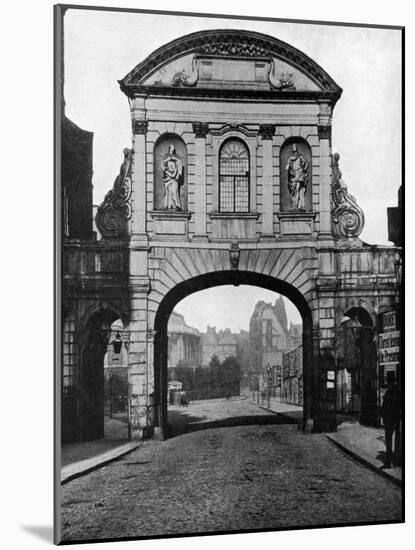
x: 139, y: 287
x: 139, y: 280
x: 138, y: 197
x: 138, y: 358
x: 267, y: 132
x: 200, y: 130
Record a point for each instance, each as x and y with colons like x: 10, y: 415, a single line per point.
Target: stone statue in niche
x: 297, y: 174
x: 172, y: 168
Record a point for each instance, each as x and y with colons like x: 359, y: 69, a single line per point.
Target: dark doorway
x: 94, y: 345
x: 356, y: 366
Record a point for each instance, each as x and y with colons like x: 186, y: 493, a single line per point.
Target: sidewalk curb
x: 364, y: 459
x: 83, y: 467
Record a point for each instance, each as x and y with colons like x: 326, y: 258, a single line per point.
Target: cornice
x: 235, y: 94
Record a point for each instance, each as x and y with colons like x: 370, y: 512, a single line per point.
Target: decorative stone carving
x: 348, y: 217
x: 297, y: 176
x: 115, y: 210
x: 267, y: 131
x: 234, y: 43
x: 140, y: 126
x: 172, y: 168
x: 283, y: 81
x: 233, y: 46
x: 181, y: 78
x: 234, y: 254
x: 200, y: 129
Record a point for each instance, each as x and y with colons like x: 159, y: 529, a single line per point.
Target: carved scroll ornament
x: 114, y: 212
x: 348, y: 217
x: 182, y: 78
x: 284, y: 81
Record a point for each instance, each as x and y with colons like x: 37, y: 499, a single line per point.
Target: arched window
x: 234, y: 177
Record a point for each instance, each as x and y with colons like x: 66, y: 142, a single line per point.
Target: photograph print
x: 229, y: 275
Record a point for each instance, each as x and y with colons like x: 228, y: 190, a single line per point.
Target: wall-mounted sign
x: 389, y: 347
x: 389, y: 350
x: 389, y: 321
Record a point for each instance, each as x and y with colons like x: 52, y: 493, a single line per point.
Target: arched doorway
x: 202, y: 282
x: 356, y: 366
x: 94, y: 340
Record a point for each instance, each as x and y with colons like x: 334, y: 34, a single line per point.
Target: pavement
x: 82, y: 467
x: 367, y: 445
x: 228, y: 466
x: 78, y: 459
x: 363, y: 443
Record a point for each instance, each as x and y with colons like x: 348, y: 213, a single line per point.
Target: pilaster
x: 324, y: 134
x: 138, y: 197
x: 266, y: 131
x: 200, y: 130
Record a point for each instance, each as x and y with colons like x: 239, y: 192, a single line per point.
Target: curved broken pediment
x: 229, y: 59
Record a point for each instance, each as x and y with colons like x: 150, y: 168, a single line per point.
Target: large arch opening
x: 215, y: 279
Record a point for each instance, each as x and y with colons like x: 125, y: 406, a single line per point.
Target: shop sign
x: 389, y: 321
x: 389, y: 354
x: 389, y: 347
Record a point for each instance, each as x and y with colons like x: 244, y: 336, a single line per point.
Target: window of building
x: 234, y: 177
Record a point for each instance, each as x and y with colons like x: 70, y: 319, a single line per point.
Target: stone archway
x: 356, y: 364
x: 209, y: 280
x: 93, y: 347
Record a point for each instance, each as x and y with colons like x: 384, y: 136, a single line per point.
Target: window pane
x: 241, y: 194
x: 226, y: 194
x: 234, y: 177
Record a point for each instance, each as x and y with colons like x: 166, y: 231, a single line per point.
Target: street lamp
x: 269, y: 369
x: 110, y: 385
x: 117, y: 343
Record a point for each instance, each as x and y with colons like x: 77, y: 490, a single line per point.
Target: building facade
x: 230, y: 179
x: 269, y: 335
x: 184, y: 347
x: 222, y: 343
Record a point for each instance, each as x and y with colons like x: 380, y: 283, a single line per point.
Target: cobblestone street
x: 257, y: 473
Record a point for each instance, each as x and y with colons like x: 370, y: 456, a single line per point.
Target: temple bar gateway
x: 230, y: 179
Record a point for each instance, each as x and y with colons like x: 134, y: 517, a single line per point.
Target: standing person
x: 391, y: 415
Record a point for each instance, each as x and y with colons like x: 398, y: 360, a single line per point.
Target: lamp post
x: 117, y: 344
x: 110, y: 385
x: 268, y: 385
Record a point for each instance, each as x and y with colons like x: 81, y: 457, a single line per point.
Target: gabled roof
x: 228, y: 43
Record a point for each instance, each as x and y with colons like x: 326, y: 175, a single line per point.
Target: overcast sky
x: 229, y: 306
x: 102, y: 47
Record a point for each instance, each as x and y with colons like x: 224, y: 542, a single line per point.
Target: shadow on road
x: 182, y: 422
